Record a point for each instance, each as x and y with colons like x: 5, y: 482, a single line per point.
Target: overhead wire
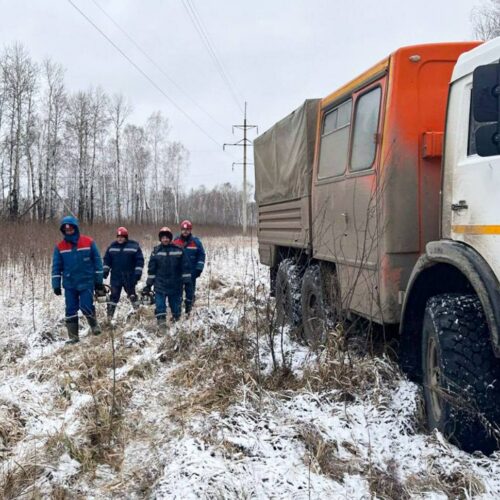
x: 205, y: 38
x: 144, y: 74
x: 157, y: 66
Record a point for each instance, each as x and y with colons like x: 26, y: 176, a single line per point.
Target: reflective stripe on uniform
x: 151, y: 276
x: 188, y: 275
x: 161, y: 253
x: 56, y: 275
x: 115, y: 249
x: 84, y: 248
x: 138, y: 268
x: 175, y: 254
x: 64, y: 251
x: 130, y: 249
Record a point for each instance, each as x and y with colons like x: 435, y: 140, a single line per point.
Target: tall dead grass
x: 36, y: 241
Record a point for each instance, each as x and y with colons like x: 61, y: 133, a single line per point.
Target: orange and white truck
x: 382, y: 201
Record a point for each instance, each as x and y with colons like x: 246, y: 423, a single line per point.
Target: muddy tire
x: 461, y: 376
x: 314, y: 314
x: 288, y: 284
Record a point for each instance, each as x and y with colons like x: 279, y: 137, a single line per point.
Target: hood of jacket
x: 69, y: 219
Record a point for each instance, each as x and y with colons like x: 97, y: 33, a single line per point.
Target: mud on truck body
x: 381, y: 201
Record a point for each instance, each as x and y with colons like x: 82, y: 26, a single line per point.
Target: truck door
x: 344, y: 214
x: 471, y: 201
x: 329, y: 190
x: 358, y: 258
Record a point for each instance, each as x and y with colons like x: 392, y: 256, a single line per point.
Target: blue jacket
x: 168, y: 268
x: 125, y: 262
x: 194, y: 250
x: 76, y: 260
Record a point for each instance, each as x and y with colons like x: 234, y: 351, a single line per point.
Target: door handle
x: 346, y: 221
x: 461, y: 205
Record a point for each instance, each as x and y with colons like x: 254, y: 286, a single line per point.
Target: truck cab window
x: 473, y: 126
x: 364, y: 143
x: 335, y: 141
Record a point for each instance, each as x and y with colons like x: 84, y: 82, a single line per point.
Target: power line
x: 205, y: 38
x: 157, y: 66
x: 236, y: 95
x: 145, y: 75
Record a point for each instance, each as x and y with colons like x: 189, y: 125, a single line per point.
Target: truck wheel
x: 313, y: 307
x: 288, y: 283
x: 461, y: 375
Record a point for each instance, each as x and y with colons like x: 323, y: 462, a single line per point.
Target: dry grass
x: 35, y: 240
x: 461, y: 484
x: 11, y: 351
x: 322, y: 457
x: 17, y: 479
x: 11, y: 425
x: 347, y: 369
x: 212, y: 373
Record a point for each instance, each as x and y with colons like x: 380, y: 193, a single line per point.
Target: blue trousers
x: 189, y: 291
x: 174, y: 302
x: 116, y: 291
x: 79, y: 299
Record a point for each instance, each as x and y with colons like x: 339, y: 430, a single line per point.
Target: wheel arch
x: 446, y: 267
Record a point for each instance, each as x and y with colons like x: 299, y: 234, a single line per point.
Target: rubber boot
x: 110, y: 311
x: 189, y: 307
x: 94, y: 325
x: 72, y: 327
x: 162, y: 323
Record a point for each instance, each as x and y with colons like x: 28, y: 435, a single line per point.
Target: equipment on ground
x: 147, y: 298
x: 103, y: 294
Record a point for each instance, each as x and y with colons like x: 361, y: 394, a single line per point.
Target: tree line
x: 63, y: 151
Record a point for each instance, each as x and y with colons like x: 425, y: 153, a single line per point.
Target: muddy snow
x: 222, y: 405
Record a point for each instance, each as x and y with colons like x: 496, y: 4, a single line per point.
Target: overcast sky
x: 277, y: 53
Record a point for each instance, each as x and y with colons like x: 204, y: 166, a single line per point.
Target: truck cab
x: 451, y: 315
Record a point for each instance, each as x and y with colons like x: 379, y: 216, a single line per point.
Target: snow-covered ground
x: 203, y: 411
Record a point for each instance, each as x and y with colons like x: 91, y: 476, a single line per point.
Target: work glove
x: 198, y: 273
x: 57, y: 291
x: 146, y: 289
x: 105, y: 274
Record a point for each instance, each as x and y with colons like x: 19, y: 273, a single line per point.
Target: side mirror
x: 486, y: 109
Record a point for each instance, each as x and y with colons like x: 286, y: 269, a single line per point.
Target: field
x: 225, y: 405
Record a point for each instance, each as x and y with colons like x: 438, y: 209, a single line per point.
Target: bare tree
x: 19, y: 82
x: 53, y: 108
x: 119, y: 111
x: 486, y: 20
x: 137, y: 162
x: 75, y: 151
x: 157, y: 130
x: 99, y: 121
x: 178, y: 161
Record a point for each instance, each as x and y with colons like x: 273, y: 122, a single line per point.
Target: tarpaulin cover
x: 283, y: 156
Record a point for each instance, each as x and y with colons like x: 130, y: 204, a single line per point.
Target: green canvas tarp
x: 283, y: 156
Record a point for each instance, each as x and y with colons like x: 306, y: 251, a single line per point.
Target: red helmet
x: 165, y: 231
x: 122, y: 231
x: 186, y: 224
